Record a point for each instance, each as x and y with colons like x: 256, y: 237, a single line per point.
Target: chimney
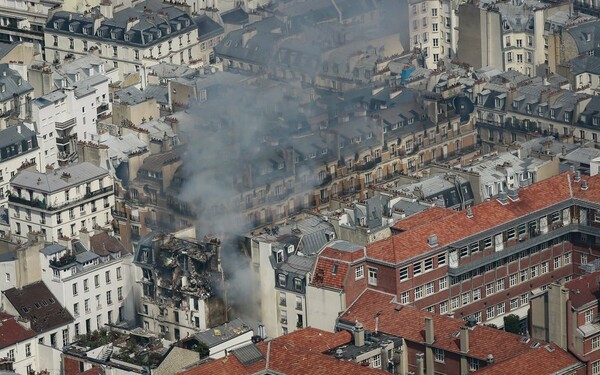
x: 359, y: 334
x: 577, y: 176
x: 106, y: 8
x: 469, y: 212
x: 432, y: 240
x: 502, y: 198
x: 400, y: 359
x: 513, y: 194
x: 84, y: 238
x: 429, y: 334
x: 464, y: 339
x: 584, y: 185
x: 420, y: 364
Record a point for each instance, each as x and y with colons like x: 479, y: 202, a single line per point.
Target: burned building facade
x: 178, y: 280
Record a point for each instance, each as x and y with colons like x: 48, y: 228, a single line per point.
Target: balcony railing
x: 43, y: 205
x: 65, y: 124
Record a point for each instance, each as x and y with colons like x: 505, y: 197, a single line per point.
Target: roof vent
x: 584, y: 185
x: 490, y: 358
x: 549, y: 348
x: 577, y: 176
x: 432, y: 240
x: 513, y: 194
x: 469, y: 212
x: 339, y: 353
x: 502, y: 198
x: 525, y: 340
x: 535, y: 345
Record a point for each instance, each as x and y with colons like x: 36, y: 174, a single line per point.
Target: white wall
x: 323, y: 307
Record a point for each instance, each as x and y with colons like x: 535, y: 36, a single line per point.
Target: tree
x: 511, y: 323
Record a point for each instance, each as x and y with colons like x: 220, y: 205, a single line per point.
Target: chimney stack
x: 464, y: 339
x: 503, y: 198
x: 432, y: 240
x: 420, y: 364
x: 359, y: 334
x: 429, y: 334
x: 577, y: 176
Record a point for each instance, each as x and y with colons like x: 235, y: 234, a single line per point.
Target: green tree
x: 511, y: 323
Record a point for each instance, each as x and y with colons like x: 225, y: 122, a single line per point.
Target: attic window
x: 25, y: 309
x: 567, y: 116
x: 127, y: 37
x: 71, y: 28
x: 55, y: 24
x: 334, y: 269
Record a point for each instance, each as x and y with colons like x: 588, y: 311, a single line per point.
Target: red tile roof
x: 324, y: 275
x: 104, y: 244
x: 455, y: 225
x: 584, y: 289
x: 422, y: 218
x: 11, y: 331
x: 482, y: 340
x: 298, y: 353
x: 539, y: 361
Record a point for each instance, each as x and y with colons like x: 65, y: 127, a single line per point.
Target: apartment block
x: 127, y: 38
x: 91, y: 278
x: 61, y: 202
x: 480, y: 264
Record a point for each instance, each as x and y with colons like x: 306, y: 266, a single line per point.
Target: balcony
x: 65, y: 124
x: 42, y: 204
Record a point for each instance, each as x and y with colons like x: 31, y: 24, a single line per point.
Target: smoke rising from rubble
x: 230, y: 132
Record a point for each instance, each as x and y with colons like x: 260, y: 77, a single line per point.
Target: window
x: 376, y: 361
x: 11, y: 355
x: 487, y: 243
x: 359, y: 272
x: 86, y: 287
x: 438, y: 355
x: 418, y: 293
x: 556, y: 262
x: 76, y: 309
x: 443, y: 283
x: 476, y: 294
x: 429, y: 288
x: 404, y: 274
x: 282, y: 299
x: 65, y: 337
x: 544, y: 268
x: 464, y: 252
x: 27, y: 350
x: 596, y: 368
x: 489, y: 312
x: 97, y: 281
x: 588, y: 316
x: 465, y: 298
x: 514, y: 303
x: 298, y: 284
x: 434, y: 27
x: 441, y: 259
x: 107, y: 276
x: 584, y: 259
x: 454, y: 303
x: 86, y: 305
x: 500, y: 308
x: 567, y: 259
x: 282, y: 279
x: 120, y: 293
x: 523, y: 276
x: 474, y: 247
x: 596, y: 343
x: 372, y: 276
x: 119, y: 275
x: 75, y: 289
x: 512, y: 280
x: 417, y: 269
x: 489, y: 289
x: 524, y: 299
x: 444, y: 307
x: 511, y: 233
x: 428, y: 264
x: 473, y: 364
x: 434, y: 12
x: 405, y: 298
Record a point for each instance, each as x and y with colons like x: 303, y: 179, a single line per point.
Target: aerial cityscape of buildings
x: 299, y: 187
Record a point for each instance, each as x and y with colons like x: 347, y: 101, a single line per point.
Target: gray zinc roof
x: 220, y: 334
x: 54, y: 181
x: 52, y: 249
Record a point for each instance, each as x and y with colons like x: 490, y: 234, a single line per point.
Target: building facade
x: 60, y: 203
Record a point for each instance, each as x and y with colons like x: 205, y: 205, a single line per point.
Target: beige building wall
x: 135, y: 113
x: 323, y: 307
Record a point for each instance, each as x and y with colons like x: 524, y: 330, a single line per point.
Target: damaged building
x: 180, y: 282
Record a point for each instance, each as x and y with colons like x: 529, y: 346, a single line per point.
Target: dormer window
x: 529, y: 108
x: 411, y: 120
x: 596, y: 121
x: 281, y: 279
x: 71, y: 28
x: 127, y: 37
x: 3, y: 87
x: 567, y: 116
x: 552, y: 113
x: 56, y: 24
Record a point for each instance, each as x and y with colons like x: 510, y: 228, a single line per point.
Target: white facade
x: 432, y: 29
x: 96, y: 293
x: 83, y: 200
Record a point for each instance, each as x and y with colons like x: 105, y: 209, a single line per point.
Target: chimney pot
x: 359, y: 334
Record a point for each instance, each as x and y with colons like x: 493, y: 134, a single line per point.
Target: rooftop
x: 37, y: 304
x: 58, y: 179
x: 12, y: 331
x: 298, y: 353
x: 504, y: 347
x: 584, y: 289
x: 223, y: 333
x: 456, y: 226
